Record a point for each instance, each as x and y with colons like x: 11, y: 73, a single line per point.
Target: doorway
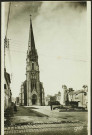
x: 34, y: 99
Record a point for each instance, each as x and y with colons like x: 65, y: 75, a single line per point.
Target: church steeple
x: 35, y: 93
x: 31, y: 43
x: 32, y: 52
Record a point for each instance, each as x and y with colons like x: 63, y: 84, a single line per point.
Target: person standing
x: 15, y: 107
x: 51, y: 106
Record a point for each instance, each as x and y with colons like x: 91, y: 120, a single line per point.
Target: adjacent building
x: 25, y: 92
x: 21, y: 95
x: 64, y: 95
x: 72, y: 97
x: 50, y: 98
x: 13, y: 99
x: 7, y: 90
x: 58, y: 97
x: 47, y: 99
x: 17, y: 101
x: 80, y: 97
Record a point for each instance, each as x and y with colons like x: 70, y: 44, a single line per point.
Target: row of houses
x: 68, y: 96
x: 7, y: 90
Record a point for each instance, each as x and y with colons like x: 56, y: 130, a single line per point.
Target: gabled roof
x: 80, y: 91
x: 77, y: 92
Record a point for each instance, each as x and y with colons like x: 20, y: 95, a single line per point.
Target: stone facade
x: 17, y: 101
x: 47, y: 99
x: 50, y: 98
x: 7, y: 90
x: 64, y: 95
x: 35, y: 91
x: 58, y: 97
x: 25, y: 92
x: 21, y: 96
x: 80, y: 96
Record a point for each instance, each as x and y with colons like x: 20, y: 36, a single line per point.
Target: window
x: 85, y: 94
x: 35, y: 85
x: 32, y: 65
x: 4, y: 86
x: 31, y: 85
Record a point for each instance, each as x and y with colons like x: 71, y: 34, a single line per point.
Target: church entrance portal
x: 34, y: 99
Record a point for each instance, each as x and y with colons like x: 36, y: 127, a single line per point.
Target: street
x: 41, y: 120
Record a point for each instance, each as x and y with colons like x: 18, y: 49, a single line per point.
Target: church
x: 34, y: 88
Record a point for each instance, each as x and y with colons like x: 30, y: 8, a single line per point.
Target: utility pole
x: 82, y: 98
x: 6, y: 45
x: 6, y: 41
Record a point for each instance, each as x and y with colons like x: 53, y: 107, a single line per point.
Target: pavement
x: 46, y: 129
x: 42, y: 120
x: 56, y: 116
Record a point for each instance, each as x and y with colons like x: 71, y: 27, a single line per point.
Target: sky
x: 60, y: 33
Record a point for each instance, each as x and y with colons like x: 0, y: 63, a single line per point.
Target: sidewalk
x: 46, y: 110
x: 56, y: 116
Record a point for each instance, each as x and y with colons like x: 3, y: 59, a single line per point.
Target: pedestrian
x: 15, y: 108
x: 51, y: 105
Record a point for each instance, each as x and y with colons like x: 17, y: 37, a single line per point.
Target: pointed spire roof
x: 32, y: 52
x: 31, y: 43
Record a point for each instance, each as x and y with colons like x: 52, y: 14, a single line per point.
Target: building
x: 47, y: 99
x: 13, y: 99
x: 25, y: 92
x: 35, y: 91
x: 64, y: 95
x: 21, y: 95
x: 20, y: 98
x: 7, y: 90
x: 58, y: 97
x: 80, y: 96
x: 42, y: 96
x: 50, y: 98
x: 17, y: 100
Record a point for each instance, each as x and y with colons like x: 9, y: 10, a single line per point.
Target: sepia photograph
x: 45, y: 67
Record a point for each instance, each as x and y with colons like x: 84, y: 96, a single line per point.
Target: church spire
x: 32, y: 52
x: 31, y: 43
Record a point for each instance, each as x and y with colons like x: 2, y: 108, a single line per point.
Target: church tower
x: 35, y: 91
